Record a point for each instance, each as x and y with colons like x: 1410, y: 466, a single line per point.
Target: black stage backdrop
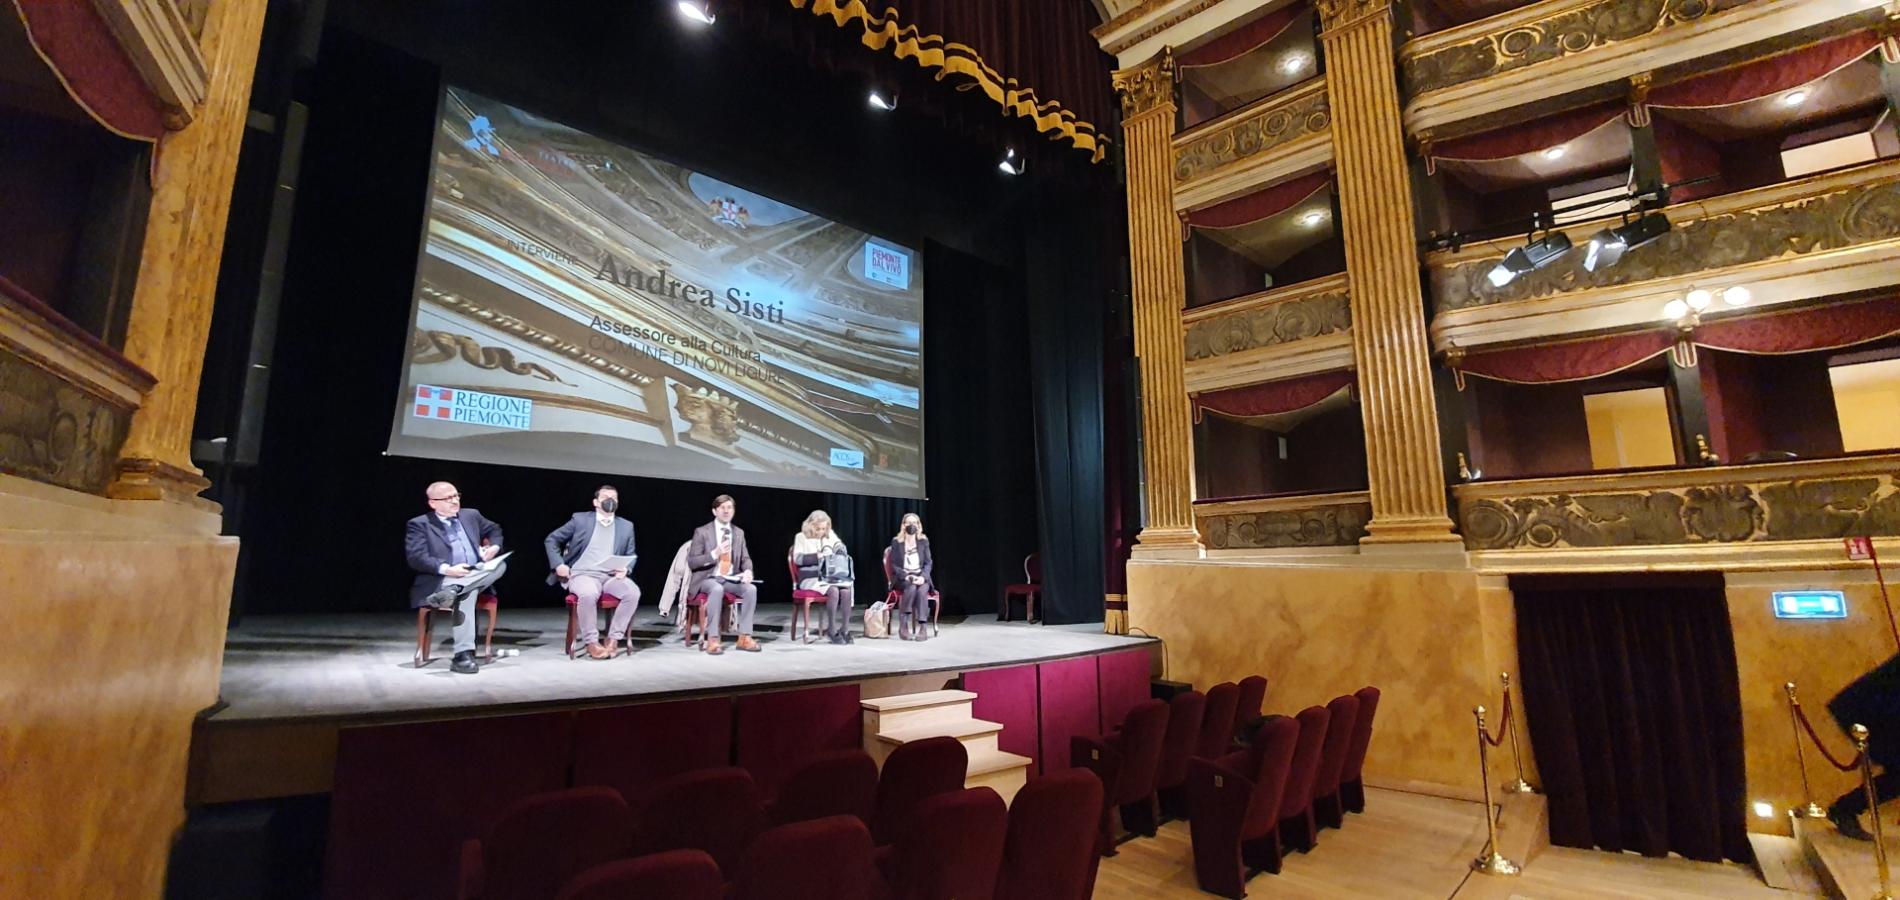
x: 1011, y: 264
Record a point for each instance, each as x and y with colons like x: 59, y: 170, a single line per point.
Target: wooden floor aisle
x: 1411, y: 846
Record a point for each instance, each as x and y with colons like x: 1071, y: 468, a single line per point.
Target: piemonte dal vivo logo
x: 472, y: 407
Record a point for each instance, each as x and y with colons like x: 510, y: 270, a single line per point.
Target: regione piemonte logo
x: 472, y: 407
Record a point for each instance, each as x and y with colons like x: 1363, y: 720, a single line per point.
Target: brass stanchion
x: 1491, y: 862
x: 1873, y: 808
x: 1520, y: 786
x: 1812, y: 810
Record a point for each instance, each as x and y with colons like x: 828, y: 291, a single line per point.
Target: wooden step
x: 1845, y: 866
x: 961, y: 730
x: 916, y: 701
x: 1783, y: 864
x: 883, y: 715
x: 999, y: 770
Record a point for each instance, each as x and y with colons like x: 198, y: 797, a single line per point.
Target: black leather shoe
x: 464, y: 663
x: 443, y: 599
x: 1847, y: 825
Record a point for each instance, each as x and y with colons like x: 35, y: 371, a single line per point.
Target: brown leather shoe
x: 596, y: 651
x: 613, y: 647
x: 747, y: 644
x: 713, y: 648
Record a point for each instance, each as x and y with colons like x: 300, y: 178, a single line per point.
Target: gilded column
x: 1405, y: 473
x: 1158, y: 286
x: 178, y: 266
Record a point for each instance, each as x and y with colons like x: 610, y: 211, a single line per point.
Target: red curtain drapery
x: 75, y: 42
x: 1686, y: 156
x: 1268, y: 201
x: 1270, y: 398
x: 1529, y: 137
x: 1828, y: 327
x: 1768, y: 77
x: 1564, y: 361
x: 1242, y: 40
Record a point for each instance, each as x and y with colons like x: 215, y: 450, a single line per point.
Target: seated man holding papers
x: 591, y: 554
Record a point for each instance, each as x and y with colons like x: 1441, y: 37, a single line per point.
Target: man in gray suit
x: 720, y: 566
x: 579, y: 552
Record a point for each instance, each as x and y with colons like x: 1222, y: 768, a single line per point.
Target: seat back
x: 1217, y: 721
x: 1299, y: 779
x: 1050, y: 852
x: 1140, y: 744
x: 912, y: 773
x: 952, y: 847
x: 833, y: 783
x: 1032, y: 568
x: 674, y: 874
x: 1361, y: 735
x: 715, y: 810
x: 823, y: 859
x: 543, y: 840
x: 1253, y: 694
x: 1184, y: 730
x: 1272, y: 758
x: 889, y: 568
x: 1342, y: 716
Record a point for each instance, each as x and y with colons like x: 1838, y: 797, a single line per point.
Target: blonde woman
x: 908, y: 561
x: 815, y: 542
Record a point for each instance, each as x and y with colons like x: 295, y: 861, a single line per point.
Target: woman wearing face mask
x: 815, y: 542
x: 909, y: 565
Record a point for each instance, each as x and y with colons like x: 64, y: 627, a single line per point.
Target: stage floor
x: 359, y: 667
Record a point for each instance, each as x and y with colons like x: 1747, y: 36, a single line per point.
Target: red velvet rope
x: 1801, y: 715
x: 1504, y: 722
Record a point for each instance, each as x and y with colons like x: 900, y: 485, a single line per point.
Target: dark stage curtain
x: 1634, y: 712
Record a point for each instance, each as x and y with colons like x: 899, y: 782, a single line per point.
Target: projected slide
x: 582, y: 305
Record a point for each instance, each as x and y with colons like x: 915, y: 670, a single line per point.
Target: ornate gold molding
x: 1808, y: 500
x: 1268, y: 125
x: 1336, y: 15
x: 161, y: 40
x: 1147, y: 87
x: 52, y: 431
x: 1270, y: 319
x: 1314, y: 520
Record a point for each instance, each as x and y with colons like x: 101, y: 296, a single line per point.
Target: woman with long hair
x: 814, y: 544
x: 908, y: 561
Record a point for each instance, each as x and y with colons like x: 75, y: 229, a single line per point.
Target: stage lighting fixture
x: 1534, y: 255
x: 1607, y: 247
x: 696, y: 11
x: 1012, y: 164
x: 1736, y: 296
x: 883, y: 101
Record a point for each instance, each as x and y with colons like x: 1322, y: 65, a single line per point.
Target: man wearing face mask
x: 581, y: 552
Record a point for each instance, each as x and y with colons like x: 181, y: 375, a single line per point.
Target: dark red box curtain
x: 1574, y: 360
x: 1765, y: 78
x: 1260, y: 204
x: 75, y: 42
x: 1242, y: 40
x: 1528, y: 137
x: 1270, y: 398
x: 1806, y: 329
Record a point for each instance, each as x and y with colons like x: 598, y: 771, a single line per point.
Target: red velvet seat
x: 543, y: 840
x: 951, y: 848
x: 1253, y: 695
x: 1177, y: 746
x: 1296, y: 804
x: 1342, y: 716
x: 891, y: 598
x: 1352, y: 788
x: 425, y: 628
x: 1127, y: 762
x: 715, y: 810
x: 1051, y: 852
x: 835, y: 783
x: 1234, y: 809
x: 801, y: 603
x: 913, y: 773
x: 674, y: 875
x: 1217, y: 721
x: 606, y: 602
x: 823, y: 859
x: 1028, y: 590
x: 696, y: 618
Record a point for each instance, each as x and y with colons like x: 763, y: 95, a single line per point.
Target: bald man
x: 447, y: 542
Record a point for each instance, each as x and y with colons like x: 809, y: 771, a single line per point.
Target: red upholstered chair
x: 1051, y: 850
x: 1234, y: 809
x: 1342, y: 716
x: 715, y: 810
x: 425, y: 628
x: 1029, y: 590
x: 1127, y: 762
x: 839, y: 782
x: 891, y: 597
x: 1217, y: 722
x: 1177, y: 745
x: 674, y: 874
x: 605, y: 603
x: 912, y: 773
x: 1296, y: 803
x: 543, y: 840
x: 951, y: 848
x: 823, y: 859
x: 696, y: 618
x: 1253, y: 695
x: 1352, y: 788
x: 801, y: 604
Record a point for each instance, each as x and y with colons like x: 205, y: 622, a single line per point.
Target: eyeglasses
x: 449, y: 497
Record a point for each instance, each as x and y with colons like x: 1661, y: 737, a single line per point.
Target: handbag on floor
x: 877, y: 620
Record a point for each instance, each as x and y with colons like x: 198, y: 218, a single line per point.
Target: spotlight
x: 1556, y: 153
x: 1534, y: 255
x: 1736, y: 296
x: 1794, y: 98
x: 1675, y: 309
x: 1699, y: 299
x: 1012, y: 164
x: 879, y: 100
x: 1608, y: 246
x: 696, y: 11
x: 1294, y: 63
x: 1312, y: 219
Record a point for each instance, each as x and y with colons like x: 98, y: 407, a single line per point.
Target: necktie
x: 725, y: 551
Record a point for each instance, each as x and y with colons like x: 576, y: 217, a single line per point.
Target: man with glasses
x: 449, y: 542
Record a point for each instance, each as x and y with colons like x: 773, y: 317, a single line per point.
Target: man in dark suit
x: 448, y: 542
x: 1872, y: 700
x: 579, y: 552
x: 720, y: 565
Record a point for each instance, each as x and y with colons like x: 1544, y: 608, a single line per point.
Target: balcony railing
x: 1295, y: 330
x: 1278, y: 136
x: 1284, y: 521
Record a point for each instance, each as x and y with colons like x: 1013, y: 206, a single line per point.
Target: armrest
x: 1099, y: 756
x: 468, y: 885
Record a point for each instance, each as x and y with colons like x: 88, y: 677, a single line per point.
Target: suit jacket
x: 703, y: 555
x: 566, y: 543
x: 425, y: 542
x: 1873, y: 700
x: 894, y: 563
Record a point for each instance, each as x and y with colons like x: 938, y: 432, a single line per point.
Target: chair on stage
x: 801, y: 604
x: 715, y: 810
x: 950, y: 849
x: 542, y: 841
x: 1051, y: 850
x: 1234, y: 809
x: 1028, y: 590
x: 673, y: 874
x: 891, y: 598
x: 425, y: 628
x: 696, y: 617
x: 1217, y: 722
x: 914, y: 772
x: 1352, y: 788
x: 839, y: 782
x: 1342, y: 717
x: 1253, y: 695
x: 1127, y: 762
x: 1177, y: 746
x: 606, y: 603
x: 823, y: 859
x: 1296, y: 803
